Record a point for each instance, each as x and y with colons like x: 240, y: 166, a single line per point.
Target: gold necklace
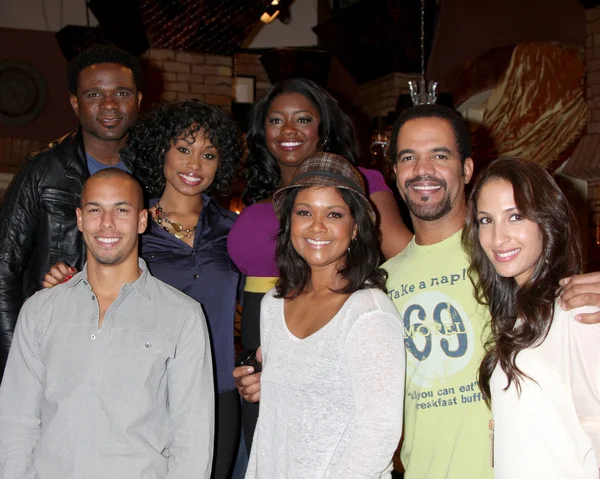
x: 178, y: 230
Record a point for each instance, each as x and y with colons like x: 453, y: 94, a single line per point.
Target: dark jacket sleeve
x: 18, y: 223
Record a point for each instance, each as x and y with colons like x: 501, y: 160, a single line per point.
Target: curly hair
x: 361, y: 269
x: 161, y: 127
x: 539, y: 199
x: 262, y: 171
x: 459, y: 126
x: 102, y: 54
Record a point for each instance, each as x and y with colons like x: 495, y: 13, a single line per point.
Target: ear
x: 74, y: 104
x: 142, y: 221
x: 79, y: 214
x: 468, y: 170
x: 354, y: 231
x: 139, y: 99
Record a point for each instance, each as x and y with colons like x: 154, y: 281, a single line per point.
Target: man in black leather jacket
x: 37, y: 221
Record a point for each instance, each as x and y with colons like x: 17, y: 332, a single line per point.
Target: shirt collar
x: 140, y: 285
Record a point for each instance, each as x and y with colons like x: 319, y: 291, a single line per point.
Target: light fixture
x: 423, y: 92
x: 271, y: 12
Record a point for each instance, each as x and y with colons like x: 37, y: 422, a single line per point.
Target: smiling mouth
x: 290, y: 145
x: 317, y: 242
x: 508, y: 255
x: 107, y: 241
x: 426, y: 187
x: 190, y: 180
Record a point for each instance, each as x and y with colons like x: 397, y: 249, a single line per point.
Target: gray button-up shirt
x: 134, y: 399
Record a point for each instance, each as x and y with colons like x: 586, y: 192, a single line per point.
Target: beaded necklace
x: 178, y: 230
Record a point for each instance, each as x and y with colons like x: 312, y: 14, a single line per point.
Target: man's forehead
x: 107, y: 73
x: 109, y: 192
x: 427, y: 132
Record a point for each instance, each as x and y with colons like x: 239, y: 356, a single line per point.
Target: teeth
x: 315, y: 242
x: 192, y: 179
x: 426, y: 188
x: 108, y: 240
x: 509, y: 253
x: 290, y: 143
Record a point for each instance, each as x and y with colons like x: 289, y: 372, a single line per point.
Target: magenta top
x: 252, y: 238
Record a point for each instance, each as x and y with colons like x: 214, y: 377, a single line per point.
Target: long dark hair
x: 159, y: 128
x: 539, y: 199
x: 262, y: 171
x: 361, y: 269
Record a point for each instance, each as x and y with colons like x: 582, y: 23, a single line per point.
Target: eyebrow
x: 512, y: 208
x: 295, y: 112
x: 329, y: 207
x: 118, y: 203
x: 437, y: 149
x: 103, y: 89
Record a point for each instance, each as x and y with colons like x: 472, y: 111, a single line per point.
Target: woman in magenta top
x: 295, y: 118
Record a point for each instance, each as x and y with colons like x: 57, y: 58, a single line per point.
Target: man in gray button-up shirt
x: 109, y: 375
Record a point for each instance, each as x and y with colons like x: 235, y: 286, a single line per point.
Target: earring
x: 324, y: 144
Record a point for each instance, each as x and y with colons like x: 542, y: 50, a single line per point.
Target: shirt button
x: 93, y: 298
x: 93, y: 336
x: 195, y: 276
x: 148, y: 344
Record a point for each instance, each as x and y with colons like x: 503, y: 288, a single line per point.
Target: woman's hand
x: 247, y: 381
x: 59, y: 273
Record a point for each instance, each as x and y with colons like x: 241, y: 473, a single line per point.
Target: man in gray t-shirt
x: 109, y: 374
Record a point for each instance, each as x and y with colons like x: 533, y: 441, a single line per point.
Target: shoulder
x: 55, y: 149
x: 257, y: 216
x: 567, y: 319
x: 170, y: 298
x: 227, y: 216
x: 371, y: 301
x: 374, y: 180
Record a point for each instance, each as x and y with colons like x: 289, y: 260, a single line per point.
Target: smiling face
x: 512, y: 243
x: 429, y: 173
x: 107, y: 101
x: 322, y: 227
x: 191, y: 165
x: 292, y: 129
x: 111, y: 217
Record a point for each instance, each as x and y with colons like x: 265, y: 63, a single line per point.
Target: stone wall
x: 379, y: 97
x: 248, y: 64
x: 192, y: 75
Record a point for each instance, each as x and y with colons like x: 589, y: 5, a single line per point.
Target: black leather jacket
x: 38, y: 226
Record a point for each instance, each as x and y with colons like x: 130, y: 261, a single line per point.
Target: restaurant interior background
x: 524, y: 73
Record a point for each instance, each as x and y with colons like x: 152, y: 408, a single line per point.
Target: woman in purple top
x: 294, y: 119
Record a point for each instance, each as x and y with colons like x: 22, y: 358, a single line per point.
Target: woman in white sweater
x: 542, y: 367
x: 332, y: 341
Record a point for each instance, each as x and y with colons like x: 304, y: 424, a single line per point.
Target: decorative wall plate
x: 22, y: 93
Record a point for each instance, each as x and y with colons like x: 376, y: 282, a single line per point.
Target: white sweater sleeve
x: 584, y: 362
x: 376, y: 360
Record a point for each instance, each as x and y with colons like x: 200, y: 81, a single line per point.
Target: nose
x: 288, y: 128
x: 109, y: 102
x: 424, y: 166
x: 108, y: 221
x: 317, y: 225
x: 500, y: 234
x: 193, y: 162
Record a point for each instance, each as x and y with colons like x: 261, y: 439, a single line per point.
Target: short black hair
x: 102, y: 54
x: 462, y: 134
x: 154, y: 135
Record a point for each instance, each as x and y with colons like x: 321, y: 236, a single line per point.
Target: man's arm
x: 582, y: 290
x: 18, y: 220
x: 191, y: 402
x: 21, y: 396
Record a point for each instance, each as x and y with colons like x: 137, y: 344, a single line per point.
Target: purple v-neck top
x: 252, y: 239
